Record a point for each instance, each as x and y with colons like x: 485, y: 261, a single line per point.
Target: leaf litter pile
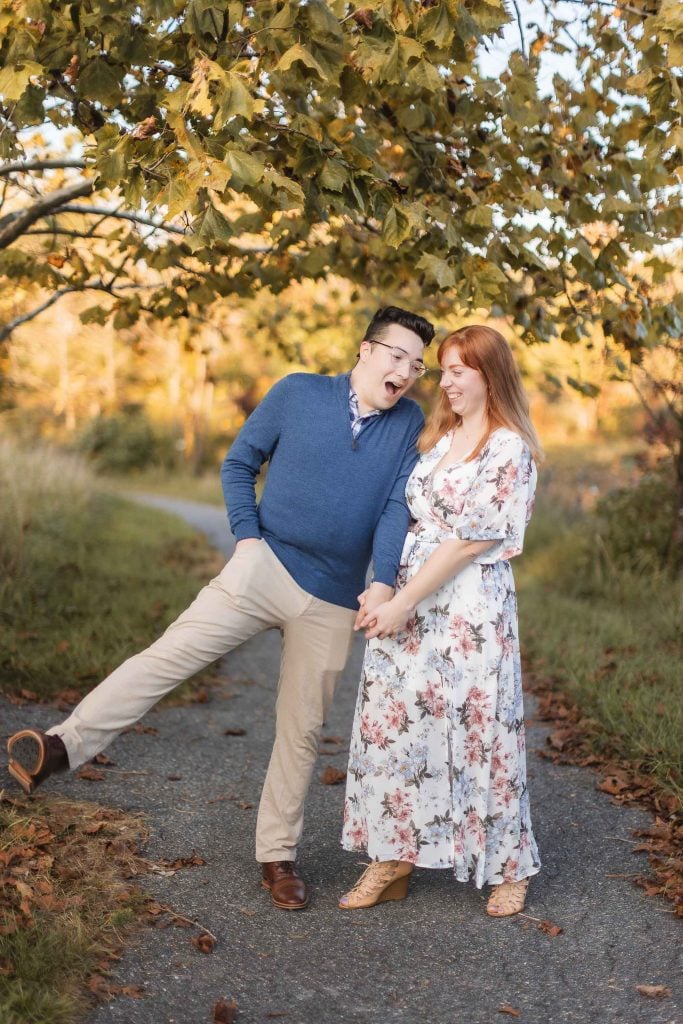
x: 68, y: 896
x: 574, y: 741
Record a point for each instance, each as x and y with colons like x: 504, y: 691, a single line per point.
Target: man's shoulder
x: 307, y: 382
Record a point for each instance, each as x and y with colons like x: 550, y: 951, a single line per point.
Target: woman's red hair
x: 487, y: 351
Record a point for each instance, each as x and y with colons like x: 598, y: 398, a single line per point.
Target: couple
x: 437, y: 763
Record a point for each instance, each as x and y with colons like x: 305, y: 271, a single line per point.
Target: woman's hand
x: 390, y: 618
x: 375, y: 595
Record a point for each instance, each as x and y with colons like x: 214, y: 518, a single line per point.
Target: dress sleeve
x: 500, y: 501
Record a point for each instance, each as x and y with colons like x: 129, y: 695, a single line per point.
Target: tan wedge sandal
x: 381, y: 881
x: 507, y: 899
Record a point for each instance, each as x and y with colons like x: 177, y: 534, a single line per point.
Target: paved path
x: 432, y: 959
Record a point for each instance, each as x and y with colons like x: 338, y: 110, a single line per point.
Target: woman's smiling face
x: 465, y: 386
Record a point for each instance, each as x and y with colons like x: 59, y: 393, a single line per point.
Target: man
x: 340, y: 450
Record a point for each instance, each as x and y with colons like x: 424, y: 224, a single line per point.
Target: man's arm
x: 253, y: 446
x: 392, y: 526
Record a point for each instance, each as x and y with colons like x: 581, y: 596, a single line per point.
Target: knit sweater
x: 331, y: 503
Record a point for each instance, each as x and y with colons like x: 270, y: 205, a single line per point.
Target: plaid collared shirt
x: 358, y: 421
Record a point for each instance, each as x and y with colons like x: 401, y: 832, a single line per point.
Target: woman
x: 437, y: 772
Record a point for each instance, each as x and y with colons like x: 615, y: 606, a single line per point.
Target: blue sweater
x: 330, y: 503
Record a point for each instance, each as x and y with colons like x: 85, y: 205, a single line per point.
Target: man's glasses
x: 398, y: 356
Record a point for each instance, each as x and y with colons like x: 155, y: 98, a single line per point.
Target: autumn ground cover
x: 69, y: 556
x: 600, y: 615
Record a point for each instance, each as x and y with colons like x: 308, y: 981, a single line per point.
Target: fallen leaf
x: 68, y: 698
x: 332, y: 776
x: 654, y: 991
x: 614, y: 784
x: 549, y: 928
x: 56, y: 260
x: 63, y: 646
x: 204, y: 943
x: 103, y: 759
x: 174, y: 778
x: 510, y: 1010
x: 148, y: 730
x: 235, y: 732
x: 95, y: 827
x: 224, y: 1013
x: 132, y: 991
x: 332, y: 739
x: 89, y: 773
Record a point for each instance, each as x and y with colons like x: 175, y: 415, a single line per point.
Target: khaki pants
x: 254, y: 592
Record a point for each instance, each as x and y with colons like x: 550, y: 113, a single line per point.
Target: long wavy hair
x: 487, y: 351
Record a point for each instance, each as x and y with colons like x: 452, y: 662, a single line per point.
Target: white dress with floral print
x: 437, y: 765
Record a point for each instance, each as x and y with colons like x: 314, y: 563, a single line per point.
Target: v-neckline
x: 440, y: 466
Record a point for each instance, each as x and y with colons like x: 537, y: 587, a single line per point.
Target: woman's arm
x: 447, y: 561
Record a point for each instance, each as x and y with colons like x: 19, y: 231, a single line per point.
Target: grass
x: 65, y: 904
x: 206, y: 487
x: 606, y: 634
x: 87, y: 578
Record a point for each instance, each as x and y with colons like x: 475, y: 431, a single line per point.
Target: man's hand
x: 375, y: 595
x: 390, y: 618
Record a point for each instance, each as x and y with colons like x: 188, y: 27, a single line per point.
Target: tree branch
x: 520, y: 27
x: 98, y: 286
x: 12, y: 225
x: 122, y: 215
x: 38, y: 165
x: 63, y: 231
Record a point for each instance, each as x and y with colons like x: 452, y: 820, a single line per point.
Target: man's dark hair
x: 388, y: 315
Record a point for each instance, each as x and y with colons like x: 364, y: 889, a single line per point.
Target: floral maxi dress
x: 437, y: 765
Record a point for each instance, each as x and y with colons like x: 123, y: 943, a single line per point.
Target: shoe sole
x: 283, y: 906
x: 27, y: 756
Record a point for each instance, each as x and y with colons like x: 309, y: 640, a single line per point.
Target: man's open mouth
x: 391, y: 388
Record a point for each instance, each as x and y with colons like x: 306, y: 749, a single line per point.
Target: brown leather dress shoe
x: 287, y: 887
x: 34, y: 756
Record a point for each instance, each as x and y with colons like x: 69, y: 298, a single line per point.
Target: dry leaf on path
x: 654, y: 991
x: 332, y: 776
x: 235, y: 732
x: 204, y: 943
x: 224, y: 1013
x: 550, y: 928
x: 90, y: 774
x: 510, y: 1010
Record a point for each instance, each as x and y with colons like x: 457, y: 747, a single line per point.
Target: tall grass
x: 39, y: 487
x: 601, y: 616
x: 87, y: 579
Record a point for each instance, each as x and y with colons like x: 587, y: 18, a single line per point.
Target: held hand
x: 390, y: 619
x: 376, y: 594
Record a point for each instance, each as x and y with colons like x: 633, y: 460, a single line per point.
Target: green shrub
x: 635, y: 524
x: 124, y: 442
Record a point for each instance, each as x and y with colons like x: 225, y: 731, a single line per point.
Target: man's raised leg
x: 229, y: 610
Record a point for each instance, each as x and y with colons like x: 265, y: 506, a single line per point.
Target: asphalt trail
x: 435, y: 958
